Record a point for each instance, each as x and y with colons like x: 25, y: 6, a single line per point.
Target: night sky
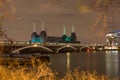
x: 56, y: 14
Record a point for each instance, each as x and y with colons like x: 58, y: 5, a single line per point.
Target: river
x: 103, y: 62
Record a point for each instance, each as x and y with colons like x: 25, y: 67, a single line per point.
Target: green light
x: 68, y: 39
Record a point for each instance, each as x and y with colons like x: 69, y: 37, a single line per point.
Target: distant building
x: 113, y: 38
x: 43, y: 37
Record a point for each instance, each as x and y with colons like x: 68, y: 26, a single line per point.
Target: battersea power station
x: 43, y: 37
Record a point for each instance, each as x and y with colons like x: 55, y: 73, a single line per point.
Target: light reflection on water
x: 68, y: 61
x: 112, y: 63
x: 105, y: 63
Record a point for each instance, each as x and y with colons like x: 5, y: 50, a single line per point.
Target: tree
x: 7, y: 10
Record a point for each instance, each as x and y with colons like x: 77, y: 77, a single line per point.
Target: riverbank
x: 43, y: 72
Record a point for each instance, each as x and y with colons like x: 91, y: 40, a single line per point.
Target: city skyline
x: 56, y: 14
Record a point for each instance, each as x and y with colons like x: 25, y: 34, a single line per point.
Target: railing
x: 27, y: 43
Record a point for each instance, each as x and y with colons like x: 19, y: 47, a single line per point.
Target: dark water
x: 104, y: 63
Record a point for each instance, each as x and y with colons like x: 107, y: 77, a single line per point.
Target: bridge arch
x: 32, y: 46
x: 67, y: 46
x: 84, y: 48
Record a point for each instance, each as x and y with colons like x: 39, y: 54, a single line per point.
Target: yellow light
x: 68, y: 45
x: 35, y: 45
x: 83, y: 8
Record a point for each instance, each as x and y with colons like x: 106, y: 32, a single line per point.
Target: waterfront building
x: 113, y: 40
x: 43, y: 37
x: 34, y: 35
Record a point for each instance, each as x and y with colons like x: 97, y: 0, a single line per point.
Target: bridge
x: 25, y: 47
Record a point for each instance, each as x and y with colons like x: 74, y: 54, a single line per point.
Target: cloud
x: 41, y: 7
x: 56, y: 13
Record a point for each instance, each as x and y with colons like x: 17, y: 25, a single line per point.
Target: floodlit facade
x: 43, y: 37
x: 113, y: 38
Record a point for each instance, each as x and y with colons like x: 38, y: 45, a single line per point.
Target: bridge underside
x: 85, y: 49
x: 32, y: 50
x: 67, y: 49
